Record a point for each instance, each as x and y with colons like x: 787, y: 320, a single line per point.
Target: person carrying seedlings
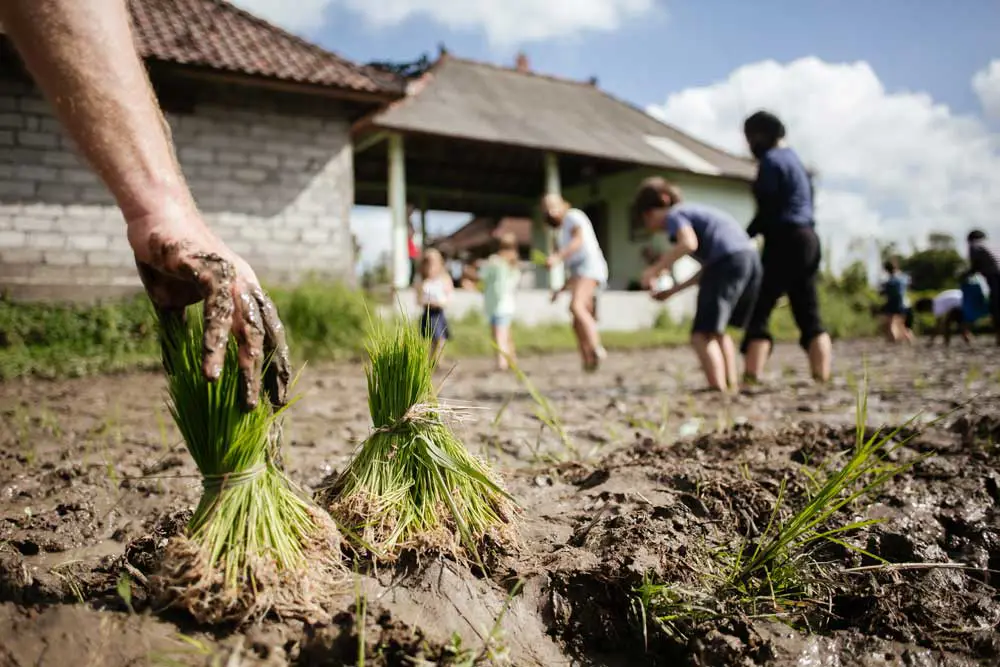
x: 729, y: 278
x: 433, y: 295
x: 898, y: 316
x: 984, y: 259
x: 791, y: 259
x: 948, y: 312
x: 580, y: 251
x: 501, y: 275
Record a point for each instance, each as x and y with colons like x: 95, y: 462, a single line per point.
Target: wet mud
x: 652, y: 481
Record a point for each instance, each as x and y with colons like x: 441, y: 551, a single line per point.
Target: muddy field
x: 651, y: 482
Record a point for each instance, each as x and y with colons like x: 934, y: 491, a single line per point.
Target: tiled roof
x: 216, y: 35
x: 482, y: 233
x: 481, y: 102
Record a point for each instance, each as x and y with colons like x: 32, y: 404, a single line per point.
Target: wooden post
x: 557, y: 275
x: 397, y: 208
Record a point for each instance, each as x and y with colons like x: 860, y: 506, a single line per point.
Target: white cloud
x: 506, y: 23
x: 294, y: 15
x: 894, y: 165
x: 986, y: 83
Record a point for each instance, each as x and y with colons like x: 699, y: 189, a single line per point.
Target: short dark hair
x: 891, y: 265
x: 766, y: 124
x: 654, y: 192
x: 924, y: 305
x: 976, y: 235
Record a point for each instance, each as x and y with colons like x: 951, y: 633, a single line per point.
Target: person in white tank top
x: 580, y: 251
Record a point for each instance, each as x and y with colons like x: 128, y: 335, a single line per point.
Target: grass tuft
x: 778, y: 574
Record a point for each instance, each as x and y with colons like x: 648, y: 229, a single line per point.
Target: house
x: 478, y: 238
x: 261, y: 122
x: 471, y: 136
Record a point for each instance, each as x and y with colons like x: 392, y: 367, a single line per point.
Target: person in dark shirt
x: 784, y: 195
x: 984, y: 259
x: 728, y: 281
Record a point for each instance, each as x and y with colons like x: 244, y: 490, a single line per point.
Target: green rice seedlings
x: 413, y: 484
x: 247, y: 546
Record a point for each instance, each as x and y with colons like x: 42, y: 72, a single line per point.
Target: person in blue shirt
x: 728, y: 281
x: 897, y: 312
x: 783, y: 192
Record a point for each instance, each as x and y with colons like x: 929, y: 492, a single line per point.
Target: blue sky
x: 895, y: 102
x: 925, y: 45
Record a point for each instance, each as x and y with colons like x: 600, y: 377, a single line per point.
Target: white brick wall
x: 272, y: 176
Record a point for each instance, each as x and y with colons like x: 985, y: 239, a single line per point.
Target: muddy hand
x: 179, y: 273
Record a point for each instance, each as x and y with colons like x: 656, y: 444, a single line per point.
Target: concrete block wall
x: 272, y: 174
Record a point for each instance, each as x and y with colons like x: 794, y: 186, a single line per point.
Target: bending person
x: 729, y: 278
x: 784, y: 194
x: 82, y: 56
x: 587, y: 272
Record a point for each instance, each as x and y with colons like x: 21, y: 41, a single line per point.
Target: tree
x: 933, y: 268
x: 941, y: 241
x: 853, y: 279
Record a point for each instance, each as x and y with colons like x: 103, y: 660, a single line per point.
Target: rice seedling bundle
x: 248, y: 542
x: 413, y: 484
x: 538, y: 258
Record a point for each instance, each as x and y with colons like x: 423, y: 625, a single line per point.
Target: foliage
x: 330, y: 321
x: 323, y: 320
x: 933, y: 268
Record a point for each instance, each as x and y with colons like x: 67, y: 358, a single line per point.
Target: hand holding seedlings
x: 83, y: 57
x: 182, y: 262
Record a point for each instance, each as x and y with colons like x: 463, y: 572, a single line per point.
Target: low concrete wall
x: 616, y: 310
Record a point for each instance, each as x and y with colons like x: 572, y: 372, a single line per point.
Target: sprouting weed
x: 188, y: 647
x: 972, y: 375
x: 124, y: 590
x: 360, y: 616
x: 65, y: 574
x: 546, y: 413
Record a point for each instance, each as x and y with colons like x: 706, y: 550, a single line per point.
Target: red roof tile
x: 217, y: 35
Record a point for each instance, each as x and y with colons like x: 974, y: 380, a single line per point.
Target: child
x: 729, y: 278
x: 500, y: 277
x: 948, y: 311
x: 898, y: 315
x: 433, y: 294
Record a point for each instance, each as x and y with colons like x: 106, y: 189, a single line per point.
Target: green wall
x: 624, y: 255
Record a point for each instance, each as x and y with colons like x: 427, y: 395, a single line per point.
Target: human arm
x: 574, y: 246
x: 82, y: 56
x: 685, y: 243
x: 766, y: 191
x: 677, y: 289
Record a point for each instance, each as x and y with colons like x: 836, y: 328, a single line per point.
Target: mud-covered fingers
x: 249, y: 332
x: 278, y: 372
x: 215, y: 277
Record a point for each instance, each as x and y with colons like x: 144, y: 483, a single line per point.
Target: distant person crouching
x: 729, y: 278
